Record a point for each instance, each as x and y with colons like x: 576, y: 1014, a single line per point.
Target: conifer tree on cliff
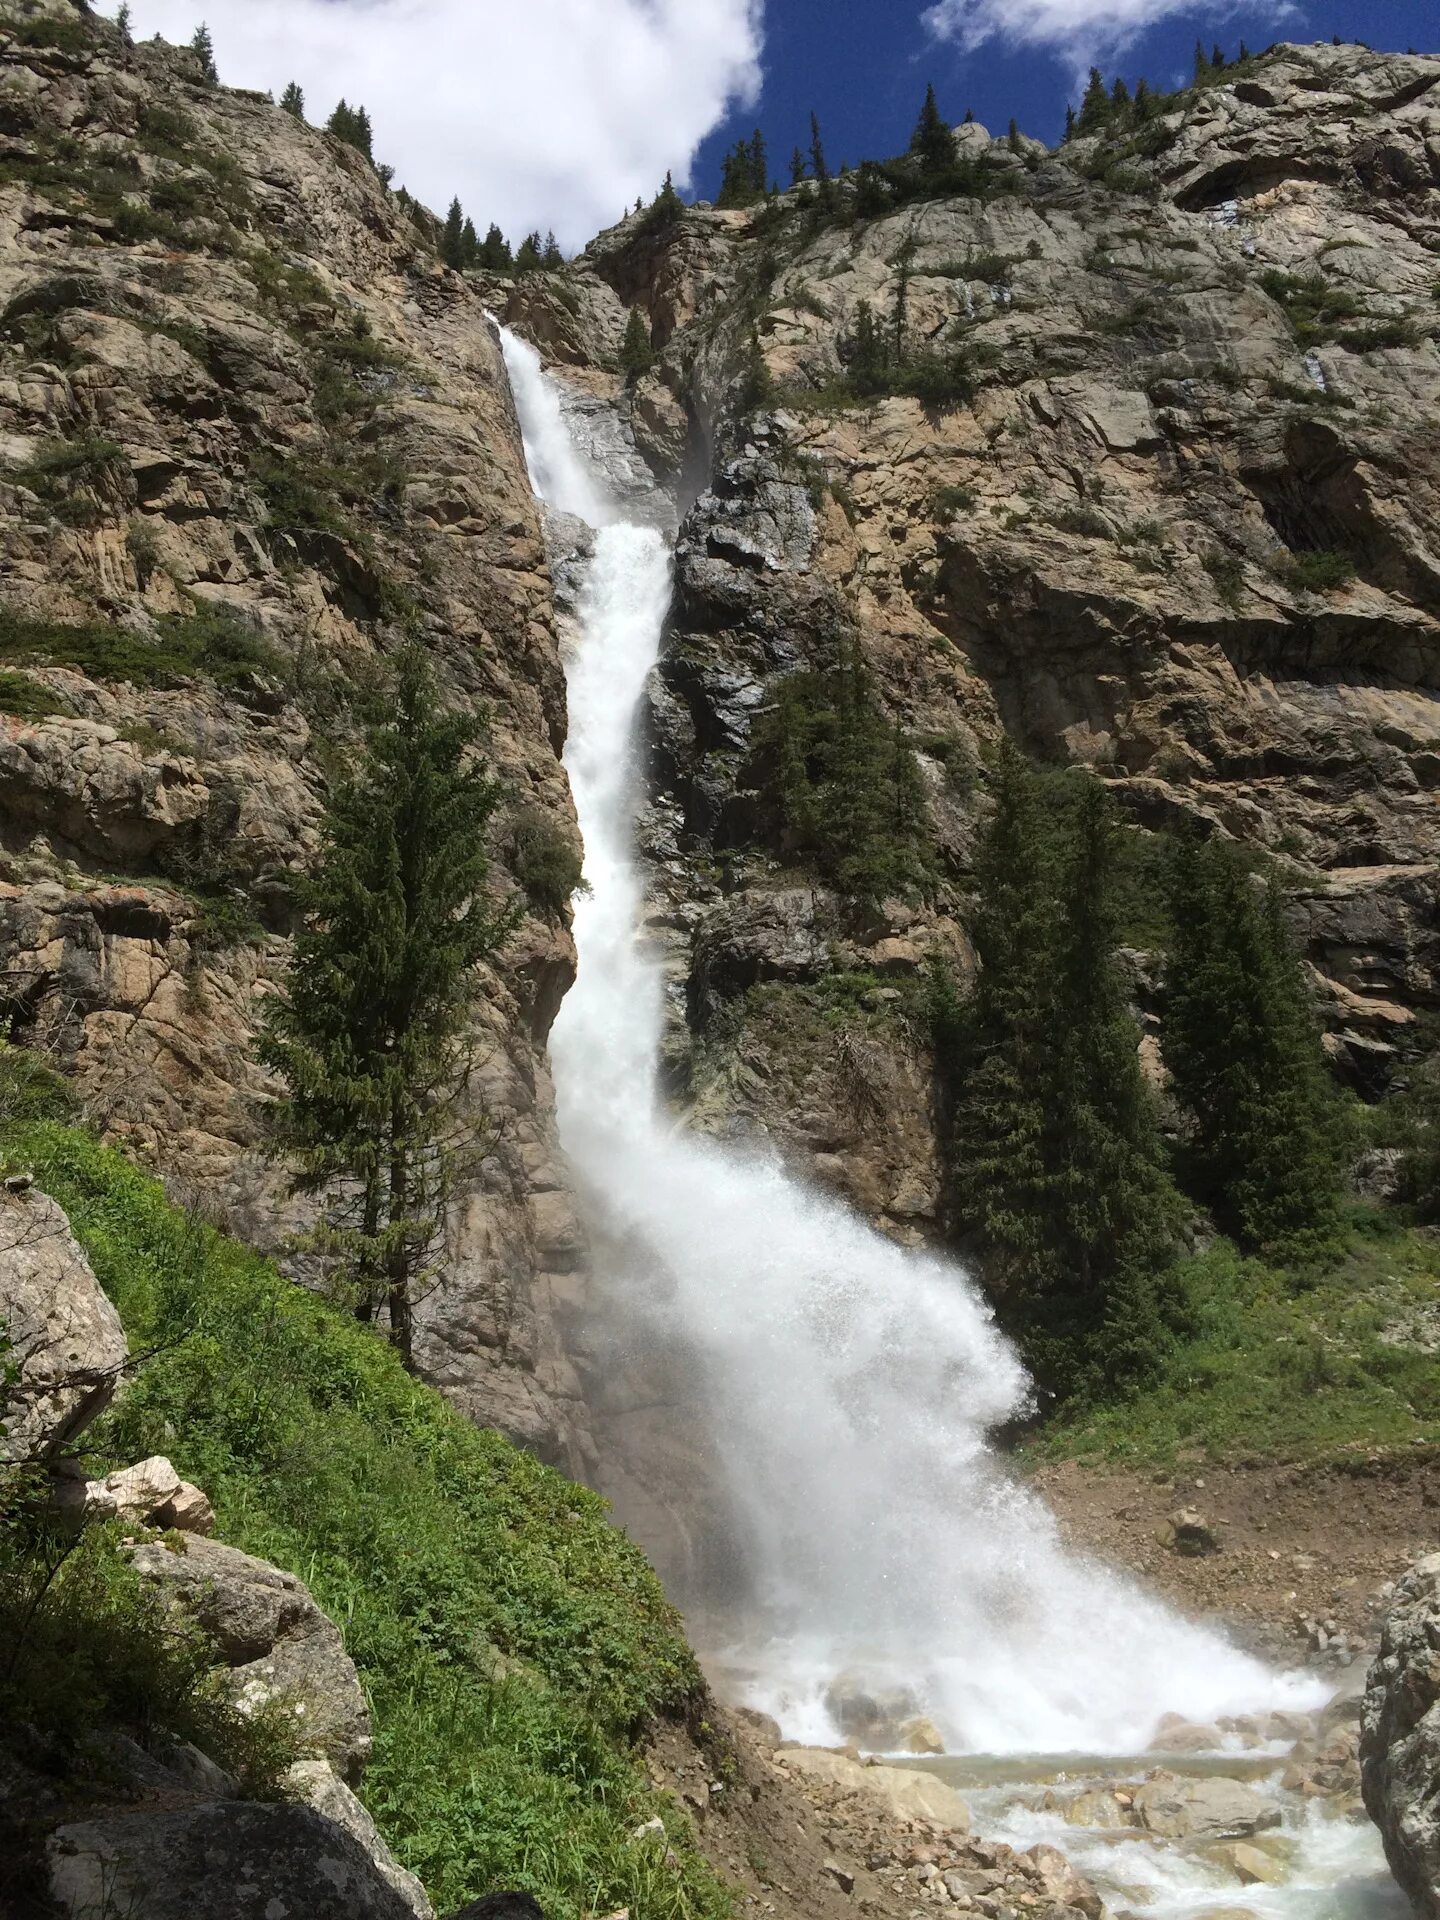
x: 203, y: 47
x: 369, y: 1036
x: 452, y: 239
x: 1057, y: 1160
x: 1267, y: 1137
x: 637, y: 351
x: 293, y: 100
x: 932, y: 142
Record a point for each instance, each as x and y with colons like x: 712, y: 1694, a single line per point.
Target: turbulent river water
x: 845, y: 1386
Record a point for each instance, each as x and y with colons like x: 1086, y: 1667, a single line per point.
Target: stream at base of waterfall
x: 843, y: 1389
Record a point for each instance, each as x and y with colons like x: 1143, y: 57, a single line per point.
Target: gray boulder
x: 66, y: 1336
x: 277, y: 1641
x: 1400, y: 1736
x: 319, y: 1786
x: 1178, y: 1808
x: 225, y: 1859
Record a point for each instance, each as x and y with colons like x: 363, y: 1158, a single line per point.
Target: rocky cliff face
x: 1400, y: 1736
x: 250, y: 433
x: 1177, y: 519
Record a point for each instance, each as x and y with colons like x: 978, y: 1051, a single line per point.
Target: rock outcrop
x: 65, y: 1338
x: 1400, y: 1736
x: 251, y: 432
x: 277, y: 1642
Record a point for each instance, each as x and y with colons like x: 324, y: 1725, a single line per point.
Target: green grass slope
x: 1320, y: 1365
x: 512, y: 1642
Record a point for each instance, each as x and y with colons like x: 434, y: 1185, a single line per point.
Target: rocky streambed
x: 1259, y: 1818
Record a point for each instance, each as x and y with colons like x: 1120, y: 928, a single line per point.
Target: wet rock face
x: 1400, y: 1736
x: 274, y: 412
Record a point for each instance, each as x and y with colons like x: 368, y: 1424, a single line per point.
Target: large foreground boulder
x: 274, y: 1637
x: 64, y: 1334
x: 225, y: 1859
x: 1400, y: 1736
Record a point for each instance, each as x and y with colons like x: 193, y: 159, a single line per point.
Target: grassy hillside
x: 512, y: 1642
x: 1277, y: 1364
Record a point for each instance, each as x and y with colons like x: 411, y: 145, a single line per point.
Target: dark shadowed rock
x: 225, y: 1860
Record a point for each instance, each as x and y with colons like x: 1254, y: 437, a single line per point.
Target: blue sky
x: 863, y: 64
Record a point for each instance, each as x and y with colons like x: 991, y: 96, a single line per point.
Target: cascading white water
x: 846, y: 1386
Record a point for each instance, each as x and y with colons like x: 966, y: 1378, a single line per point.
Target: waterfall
x: 842, y: 1386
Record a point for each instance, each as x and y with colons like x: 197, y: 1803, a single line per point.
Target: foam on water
x: 843, y: 1387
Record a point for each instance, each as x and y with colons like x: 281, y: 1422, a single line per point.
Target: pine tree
x: 203, y: 47
x: 1202, y: 65
x: 1116, y: 1212
x: 528, y: 256
x: 1119, y: 95
x: 1069, y: 123
x: 1266, y: 1137
x: 637, y: 351
x: 293, y: 100
x: 932, y: 142
x: 1217, y: 58
x: 452, y: 238
x: 998, y: 1146
x: 759, y: 165
x: 757, y: 383
x: 869, y: 368
x: 495, y: 254
x: 667, y: 206
x: 817, y: 154
x: 1094, y: 104
x: 469, y: 246
x: 363, y: 135
x: 797, y: 167
x: 123, y: 26
x: 1013, y: 136
x: 551, y: 258
x: 1058, y: 1171
x: 1144, y: 99
x: 368, y: 1037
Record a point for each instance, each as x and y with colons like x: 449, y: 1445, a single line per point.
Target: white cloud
x: 538, y: 113
x: 1079, y: 30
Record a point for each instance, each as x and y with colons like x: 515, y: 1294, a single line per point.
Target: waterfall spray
x: 843, y: 1387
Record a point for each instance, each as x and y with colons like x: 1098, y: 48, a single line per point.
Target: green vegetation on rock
x: 850, y: 791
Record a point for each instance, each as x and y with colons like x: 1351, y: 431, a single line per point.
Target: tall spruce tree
x: 999, y: 1178
x: 452, y: 238
x: 817, y: 153
x: 495, y: 254
x: 637, y: 351
x: 529, y: 257
x: 869, y: 369
x: 1105, y: 1316
x: 369, y: 1035
x: 203, y: 47
x: 470, y: 246
x: 932, y: 142
x: 1266, y: 1135
x: 293, y: 100
x: 1057, y: 1168
x: 1095, y: 108
x: 551, y: 258
x: 797, y: 167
